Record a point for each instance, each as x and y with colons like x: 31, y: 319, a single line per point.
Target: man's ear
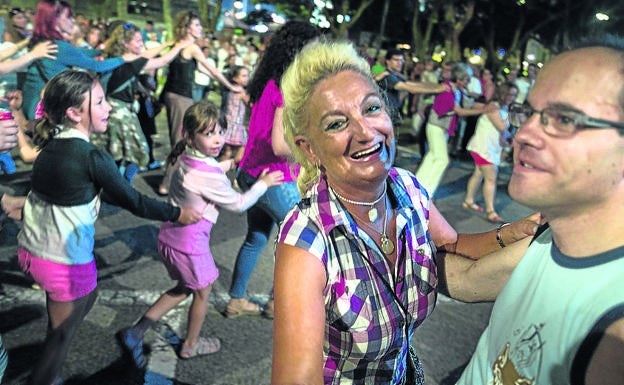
x: 304, y: 145
x: 73, y: 114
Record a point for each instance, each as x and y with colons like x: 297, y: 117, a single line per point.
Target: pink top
x: 444, y: 103
x: 258, y: 151
x: 201, y: 184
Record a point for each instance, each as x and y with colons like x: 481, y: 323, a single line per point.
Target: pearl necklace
x: 372, y: 211
x: 387, y: 246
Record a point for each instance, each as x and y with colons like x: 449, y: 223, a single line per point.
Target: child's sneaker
x: 130, y: 171
x: 132, y: 343
x: 7, y: 164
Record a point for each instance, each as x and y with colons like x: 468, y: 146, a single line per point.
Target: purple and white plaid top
x: 365, y: 330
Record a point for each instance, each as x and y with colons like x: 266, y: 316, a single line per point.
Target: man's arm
x: 471, y: 280
x: 420, y: 87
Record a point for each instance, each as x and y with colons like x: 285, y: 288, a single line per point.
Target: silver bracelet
x: 499, y: 238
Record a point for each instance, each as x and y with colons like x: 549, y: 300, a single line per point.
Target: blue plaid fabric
x: 367, y: 333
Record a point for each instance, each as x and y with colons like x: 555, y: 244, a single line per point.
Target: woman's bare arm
x: 299, y: 324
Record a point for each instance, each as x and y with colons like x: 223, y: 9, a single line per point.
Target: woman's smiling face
x: 349, y: 132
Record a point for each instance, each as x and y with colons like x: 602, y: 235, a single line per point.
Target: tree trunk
x: 455, y: 27
x: 122, y: 9
x: 166, y: 7
x: 214, y: 16
x: 202, y: 6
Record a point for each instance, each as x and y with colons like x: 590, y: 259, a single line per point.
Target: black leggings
x: 67, y: 316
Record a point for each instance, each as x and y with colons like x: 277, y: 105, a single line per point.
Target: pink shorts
x: 63, y: 283
x: 479, y: 160
x: 193, y: 271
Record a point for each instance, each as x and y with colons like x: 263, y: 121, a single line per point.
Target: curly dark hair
x: 284, y: 45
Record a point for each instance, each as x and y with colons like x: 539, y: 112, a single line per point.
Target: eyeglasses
x: 557, y: 121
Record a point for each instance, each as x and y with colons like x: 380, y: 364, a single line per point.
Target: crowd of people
x: 308, y: 125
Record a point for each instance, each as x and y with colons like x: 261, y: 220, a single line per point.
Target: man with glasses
x: 560, y: 317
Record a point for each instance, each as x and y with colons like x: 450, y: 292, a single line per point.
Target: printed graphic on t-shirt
x: 521, y: 359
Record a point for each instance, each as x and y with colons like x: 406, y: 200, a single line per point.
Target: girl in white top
x: 485, y: 148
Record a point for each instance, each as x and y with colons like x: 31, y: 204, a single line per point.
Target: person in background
x: 525, y: 83
x: 421, y: 109
x: 149, y: 107
x: 67, y: 179
x: 201, y: 81
x: 560, y: 317
x: 442, y: 122
x: 177, y: 94
x: 356, y: 270
x: 250, y: 59
x: 200, y: 182
x: 397, y: 87
x: 149, y: 33
x: 234, y: 106
x: 93, y: 38
x: 473, y: 94
x: 486, y: 149
x: 54, y: 22
x: 15, y: 34
x: 126, y: 142
x: 488, y: 84
x: 16, y: 26
x: 266, y: 148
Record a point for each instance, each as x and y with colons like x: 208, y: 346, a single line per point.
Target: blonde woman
x: 356, y: 270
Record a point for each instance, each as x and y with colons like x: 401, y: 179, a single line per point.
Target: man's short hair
x: 394, y: 52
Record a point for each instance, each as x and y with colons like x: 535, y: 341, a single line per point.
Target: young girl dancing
x: 55, y: 246
x: 198, y: 181
x: 233, y: 105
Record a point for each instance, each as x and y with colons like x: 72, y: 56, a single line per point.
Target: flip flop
x: 245, y: 308
x: 472, y: 207
x: 202, y: 347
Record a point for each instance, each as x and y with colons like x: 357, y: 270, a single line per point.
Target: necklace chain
x: 387, y: 246
x: 372, y: 212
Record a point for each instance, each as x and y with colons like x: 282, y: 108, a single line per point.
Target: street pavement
x: 131, y: 277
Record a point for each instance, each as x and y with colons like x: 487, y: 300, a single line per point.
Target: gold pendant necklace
x: 387, y: 246
x: 373, y: 214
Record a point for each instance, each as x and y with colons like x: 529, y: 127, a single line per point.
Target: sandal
x: 472, y: 207
x: 242, y: 306
x: 493, y: 217
x: 133, y: 346
x: 202, y: 347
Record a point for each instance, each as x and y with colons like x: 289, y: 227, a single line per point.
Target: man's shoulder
x: 391, y: 80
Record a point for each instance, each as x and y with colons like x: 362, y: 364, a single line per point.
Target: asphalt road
x: 131, y: 277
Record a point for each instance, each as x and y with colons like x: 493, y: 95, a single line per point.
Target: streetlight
x: 601, y: 16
